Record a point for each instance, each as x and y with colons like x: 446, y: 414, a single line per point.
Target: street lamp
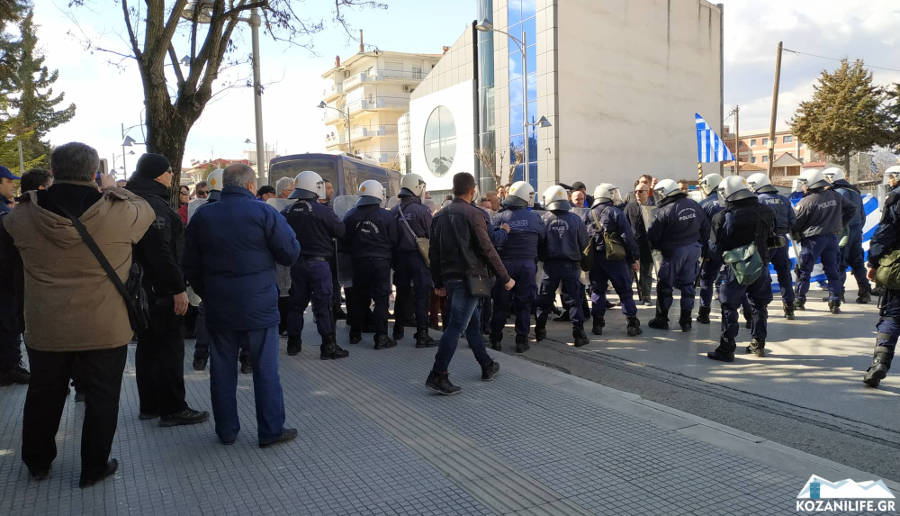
x: 200, y: 11
x: 485, y: 25
x: 346, y: 114
x: 128, y: 141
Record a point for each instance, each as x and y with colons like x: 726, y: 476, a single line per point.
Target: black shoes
x: 799, y: 304
x: 756, y: 347
x: 39, y: 474
x: 634, y: 327
x: 789, y: 312
x: 490, y: 372
x: 522, y: 343
x: 440, y: 384
x: 703, y: 315
x: 834, y: 307
x: 581, y: 338
x: 685, y: 323
x: 495, y: 342
x: 355, y: 337
x: 540, y: 333
x: 294, y: 345
x: 725, y: 351
x: 827, y: 298
x: 383, y: 342
x: 246, y: 367
x: 597, y: 326
x: 398, y: 331
x: 188, y: 416
x: 143, y: 416
x: 658, y: 324
x: 881, y: 363
x: 423, y: 340
x: 199, y: 364
x: 330, y: 350
x: 287, y: 434
x: 17, y: 374
x: 111, y: 468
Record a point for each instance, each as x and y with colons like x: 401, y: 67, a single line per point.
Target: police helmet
x: 734, y: 188
x: 833, y: 174
x: 370, y: 192
x: 308, y: 185
x: 892, y: 172
x: 666, y: 188
x: 414, y: 183
x: 709, y: 183
x: 214, y: 180
x: 796, y: 185
x: 760, y: 181
x: 813, y: 178
x: 520, y: 194
x: 555, y: 198
x: 605, y: 192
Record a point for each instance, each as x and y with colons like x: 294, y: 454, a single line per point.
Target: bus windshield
x: 324, y: 167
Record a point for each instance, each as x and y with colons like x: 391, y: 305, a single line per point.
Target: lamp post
x: 128, y: 141
x: 346, y: 114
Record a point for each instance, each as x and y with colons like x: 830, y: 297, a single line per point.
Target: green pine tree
x: 844, y: 115
x: 892, y: 107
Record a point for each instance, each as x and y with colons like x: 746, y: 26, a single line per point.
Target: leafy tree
x: 845, y: 114
x: 176, y: 90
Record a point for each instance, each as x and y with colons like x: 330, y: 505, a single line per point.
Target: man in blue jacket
x: 232, y: 248
x: 851, y: 252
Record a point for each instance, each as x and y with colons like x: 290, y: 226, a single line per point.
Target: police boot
x: 841, y: 298
x: 788, y: 311
x: 540, y: 333
x: 581, y: 338
x: 685, y: 322
x: 799, y: 304
x: 880, y: 365
x: 878, y: 291
x: 383, y: 342
x: 294, y: 345
x: 725, y: 351
x: 522, y: 343
x: 423, y: 340
x: 659, y: 322
x: 865, y: 296
x: 757, y: 347
x: 398, y: 330
x: 834, y: 307
x: 355, y: 336
x: 703, y: 315
x: 330, y: 350
x: 634, y: 327
x: 599, y: 323
x: 199, y: 364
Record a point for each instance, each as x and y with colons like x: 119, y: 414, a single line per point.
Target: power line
x: 840, y: 59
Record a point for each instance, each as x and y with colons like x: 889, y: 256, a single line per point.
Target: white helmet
x: 414, y: 183
x: 520, y: 194
x: 796, y: 185
x: 758, y: 181
x: 709, y: 183
x: 370, y: 192
x: 311, y: 183
x: 214, y: 180
x: 833, y: 174
x: 734, y: 188
x: 606, y: 192
x: 666, y: 188
x: 555, y: 198
x: 893, y: 171
x: 813, y: 178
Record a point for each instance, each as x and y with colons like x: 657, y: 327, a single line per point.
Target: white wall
x: 458, y: 99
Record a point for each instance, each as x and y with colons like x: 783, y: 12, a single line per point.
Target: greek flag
x: 710, y: 148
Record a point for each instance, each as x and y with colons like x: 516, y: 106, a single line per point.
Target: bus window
x: 324, y: 167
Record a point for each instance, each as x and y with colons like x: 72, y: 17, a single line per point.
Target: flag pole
x: 699, y: 171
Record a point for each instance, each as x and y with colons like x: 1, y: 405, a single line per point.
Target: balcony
x: 333, y: 92
x: 388, y: 103
x: 372, y: 131
x: 382, y: 75
x: 332, y: 115
x: 336, y: 139
x: 379, y: 157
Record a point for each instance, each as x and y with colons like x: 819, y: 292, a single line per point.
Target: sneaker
x: 110, y: 470
x: 287, y: 434
x: 540, y: 333
x: 294, y: 345
x: 384, y: 342
x: 17, y: 374
x: 440, y: 383
x: 490, y: 372
x: 522, y: 344
x: 188, y: 416
x: 199, y: 364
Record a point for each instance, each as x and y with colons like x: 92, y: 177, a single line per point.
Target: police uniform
x: 315, y: 225
x: 712, y: 265
x: 742, y: 222
x: 852, y: 252
x: 679, y: 230
x: 414, y: 221
x: 778, y: 255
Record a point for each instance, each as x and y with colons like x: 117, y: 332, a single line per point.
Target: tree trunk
x: 851, y: 178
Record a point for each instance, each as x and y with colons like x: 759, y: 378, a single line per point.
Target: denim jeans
x: 464, y: 317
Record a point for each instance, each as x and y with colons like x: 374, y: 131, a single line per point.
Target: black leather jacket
x: 460, y: 245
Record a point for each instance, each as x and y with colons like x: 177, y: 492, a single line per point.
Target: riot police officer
x: 821, y: 216
x: 711, y: 266
x: 768, y: 195
x: 883, y: 242
x: 851, y: 251
x: 607, y: 222
x: 371, y: 235
x: 409, y: 263
x: 561, y: 254
x: 519, y: 254
x: 315, y: 225
x: 679, y: 231
x: 742, y: 222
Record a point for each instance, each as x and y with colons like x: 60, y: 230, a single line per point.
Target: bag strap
x: 98, y: 254
x: 405, y: 223
x: 597, y: 219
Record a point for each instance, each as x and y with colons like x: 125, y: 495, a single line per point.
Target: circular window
x: 440, y: 140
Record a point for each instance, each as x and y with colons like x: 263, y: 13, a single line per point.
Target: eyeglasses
x: 202, y: 193
x: 184, y: 192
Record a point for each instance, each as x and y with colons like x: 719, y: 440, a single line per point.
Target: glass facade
x: 440, y: 140
x: 487, y: 147
x: 521, y: 24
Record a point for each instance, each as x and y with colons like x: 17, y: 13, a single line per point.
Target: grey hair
x: 239, y: 175
x: 283, y: 184
x: 74, y: 161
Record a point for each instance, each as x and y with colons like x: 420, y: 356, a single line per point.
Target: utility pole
x: 774, y: 110
x: 737, y: 140
x: 262, y: 161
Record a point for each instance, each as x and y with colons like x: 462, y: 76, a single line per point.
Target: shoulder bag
x: 888, y: 272
x: 132, y: 291
x: 422, y: 243
x: 612, y: 242
x: 477, y: 285
x: 745, y: 262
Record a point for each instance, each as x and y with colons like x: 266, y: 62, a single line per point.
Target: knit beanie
x: 152, y: 165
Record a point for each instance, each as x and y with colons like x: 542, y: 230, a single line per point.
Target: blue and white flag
x: 710, y: 148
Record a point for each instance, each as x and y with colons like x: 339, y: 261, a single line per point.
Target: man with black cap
x: 159, y: 359
x: 578, y: 186
x: 7, y: 189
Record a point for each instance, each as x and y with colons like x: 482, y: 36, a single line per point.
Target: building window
x: 440, y: 140
x: 753, y: 142
x: 765, y: 159
x: 788, y: 139
x: 752, y: 159
x: 765, y: 142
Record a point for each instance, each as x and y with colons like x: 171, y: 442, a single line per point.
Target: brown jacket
x: 70, y: 303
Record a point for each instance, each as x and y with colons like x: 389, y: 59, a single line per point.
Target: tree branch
x: 176, y: 66
x: 131, y: 37
x: 172, y: 22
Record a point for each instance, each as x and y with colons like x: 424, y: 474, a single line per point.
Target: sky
x: 107, y: 90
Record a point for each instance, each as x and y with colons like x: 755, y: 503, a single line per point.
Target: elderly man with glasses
x: 633, y: 210
x: 201, y: 191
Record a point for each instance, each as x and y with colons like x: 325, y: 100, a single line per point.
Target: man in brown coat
x: 72, y: 310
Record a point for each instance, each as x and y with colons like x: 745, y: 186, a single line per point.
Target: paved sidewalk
x: 373, y: 441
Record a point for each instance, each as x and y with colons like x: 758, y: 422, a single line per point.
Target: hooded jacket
x: 70, y: 303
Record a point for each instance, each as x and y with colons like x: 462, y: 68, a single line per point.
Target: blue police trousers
x: 311, y: 281
x: 519, y: 299
x: 811, y: 249
x: 678, y: 270
x: 619, y: 274
x: 732, y: 295
x: 567, y: 273
x: 778, y: 257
